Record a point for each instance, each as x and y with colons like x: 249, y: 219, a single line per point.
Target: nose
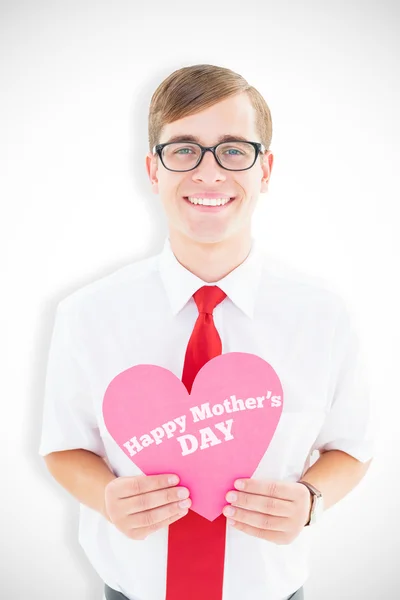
x: 209, y: 168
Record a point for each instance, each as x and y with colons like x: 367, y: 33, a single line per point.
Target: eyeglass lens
x: 180, y: 156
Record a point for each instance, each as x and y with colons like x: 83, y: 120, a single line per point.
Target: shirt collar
x: 240, y: 285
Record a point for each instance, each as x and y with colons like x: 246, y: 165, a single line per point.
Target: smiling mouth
x: 209, y: 206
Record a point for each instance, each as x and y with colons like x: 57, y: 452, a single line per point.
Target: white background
x: 76, y: 81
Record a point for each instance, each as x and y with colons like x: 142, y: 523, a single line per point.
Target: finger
x: 284, y: 490
x: 141, y: 484
x: 276, y: 537
x: 263, y: 504
x: 256, y: 519
x: 143, y: 532
x: 143, y: 502
x: 149, y: 518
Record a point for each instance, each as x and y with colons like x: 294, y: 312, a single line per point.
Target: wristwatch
x: 317, y: 506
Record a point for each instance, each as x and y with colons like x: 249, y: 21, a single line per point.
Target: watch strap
x: 312, y: 489
x: 314, y: 493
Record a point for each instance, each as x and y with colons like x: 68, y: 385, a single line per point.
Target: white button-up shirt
x: 144, y: 313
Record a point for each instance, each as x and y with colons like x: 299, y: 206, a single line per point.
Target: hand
x: 141, y: 505
x: 275, y: 511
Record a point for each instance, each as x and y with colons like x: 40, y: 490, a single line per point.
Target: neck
x: 210, y: 261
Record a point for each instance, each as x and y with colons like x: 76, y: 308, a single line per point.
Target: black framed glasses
x: 185, y: 156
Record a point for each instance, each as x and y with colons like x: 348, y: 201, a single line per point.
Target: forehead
x: 232, y: 118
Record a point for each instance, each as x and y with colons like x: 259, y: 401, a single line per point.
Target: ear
x: 266, y: 166
x: 151, y: 168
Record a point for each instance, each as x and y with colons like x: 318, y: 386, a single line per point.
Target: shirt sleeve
x: 69, y: 420
x: 351, y: 422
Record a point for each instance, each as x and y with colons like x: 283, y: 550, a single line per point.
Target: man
x: 209, y: 137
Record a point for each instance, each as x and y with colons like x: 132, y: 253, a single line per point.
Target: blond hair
x: 192, y: 89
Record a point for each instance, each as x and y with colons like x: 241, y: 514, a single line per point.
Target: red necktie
x: 196, y: 546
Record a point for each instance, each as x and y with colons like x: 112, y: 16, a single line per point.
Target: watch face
x: 318, y: 509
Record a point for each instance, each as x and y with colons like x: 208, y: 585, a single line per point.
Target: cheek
x: 246, y: 186
x: 168, y: 192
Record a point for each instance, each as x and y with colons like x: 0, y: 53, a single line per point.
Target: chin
x: 208, y: 237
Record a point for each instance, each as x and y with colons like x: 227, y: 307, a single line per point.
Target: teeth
x: 208, y: 202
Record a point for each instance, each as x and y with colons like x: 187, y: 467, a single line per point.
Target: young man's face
x: 233, y: 116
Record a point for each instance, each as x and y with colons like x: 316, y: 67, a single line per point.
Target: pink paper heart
x: 146, y: 408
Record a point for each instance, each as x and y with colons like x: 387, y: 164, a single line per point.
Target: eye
x: 234, y: 150
x: 180, y: 150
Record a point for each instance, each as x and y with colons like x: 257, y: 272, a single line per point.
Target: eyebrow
x: 193, y: 138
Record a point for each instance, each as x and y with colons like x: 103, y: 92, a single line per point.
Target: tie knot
x: 207, y: 298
